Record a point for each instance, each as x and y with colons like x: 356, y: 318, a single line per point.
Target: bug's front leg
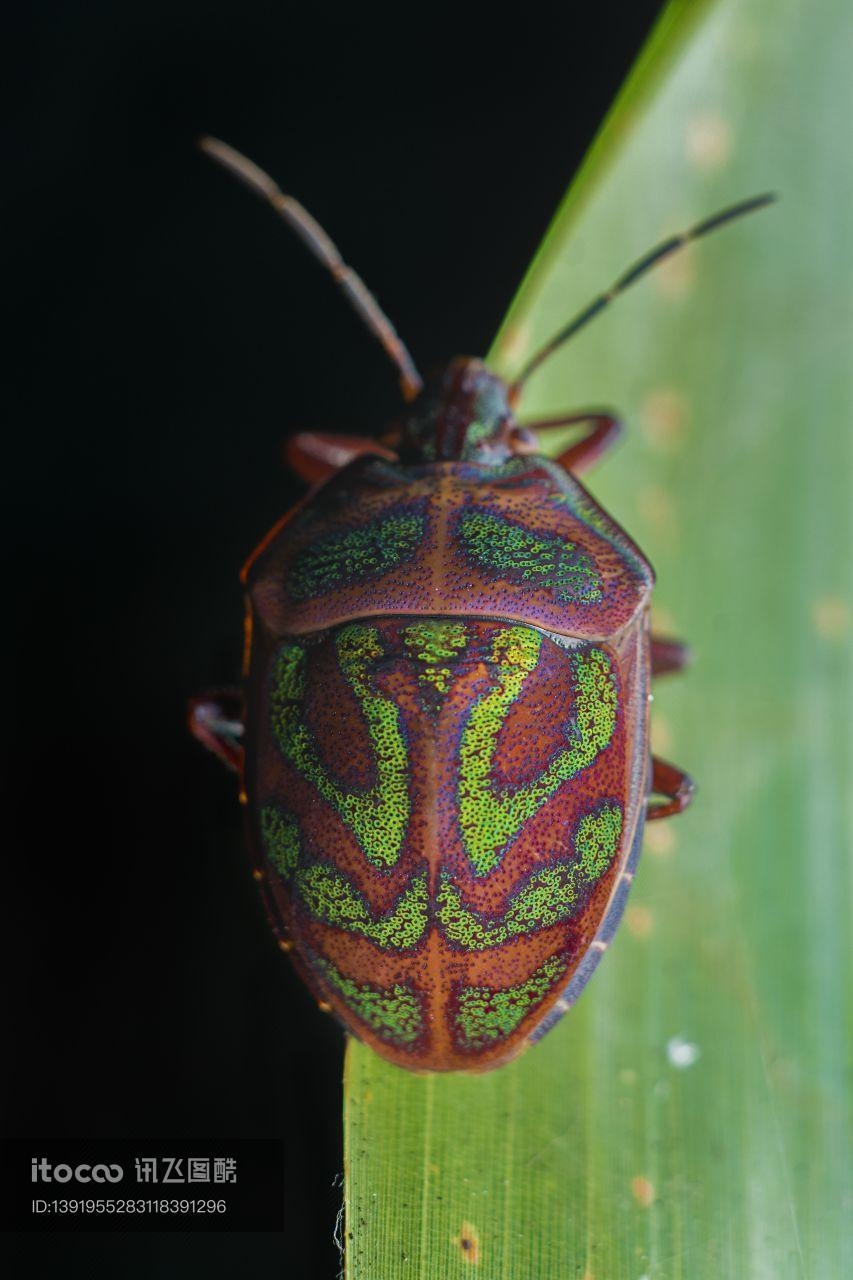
x: 216, y: 719
x: 315, y: 456
x: 673, y: 783
x: 603, y: 430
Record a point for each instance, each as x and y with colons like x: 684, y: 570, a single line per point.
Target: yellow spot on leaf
x: 663, y: 415
x: 663, y: 622
x: 643, y: 1192
x: 675, y: 276
x: 831, y: 617
x: 661, y: 736
x: 640, y: 921
x: 468, y: 1243
x: 744, y: 40
x: 660, y: 839
x: 708, y: 142
x: 656, y: 507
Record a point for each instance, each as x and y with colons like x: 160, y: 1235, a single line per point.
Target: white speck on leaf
x: 681, y: 1053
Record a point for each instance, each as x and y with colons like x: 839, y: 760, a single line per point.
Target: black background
x: 166, y: 333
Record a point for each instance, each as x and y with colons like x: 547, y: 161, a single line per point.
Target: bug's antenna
x: 314, y: 237
x: 649, y: 260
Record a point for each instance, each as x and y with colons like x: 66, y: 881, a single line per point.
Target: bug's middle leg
x: 603, y: 430
x: 669, y: 655
x: 676, y: 786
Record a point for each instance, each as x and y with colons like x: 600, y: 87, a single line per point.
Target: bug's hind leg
x: 317, y: 455
x: 669, y: 655
x: 216, y: 719
x: 603, y: 430
x: 678, y: 788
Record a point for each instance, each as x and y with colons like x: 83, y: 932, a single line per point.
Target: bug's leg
x: 317, y: 455
x: 678, y: 788
x: 669, y: 655
x: 216, y: 719
x: 604, y: 429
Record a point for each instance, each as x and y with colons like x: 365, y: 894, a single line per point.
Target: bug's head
x: 463, y: 413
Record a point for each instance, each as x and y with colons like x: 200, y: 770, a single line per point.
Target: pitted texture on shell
x: 444, y: 807
x: 522, y: 541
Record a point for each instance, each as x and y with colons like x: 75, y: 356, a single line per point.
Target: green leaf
x: 691, y: 1117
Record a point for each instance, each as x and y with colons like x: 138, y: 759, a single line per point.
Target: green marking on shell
x: 488, y: 818
x: 596, y: 838
x: 548, y: 897
x: 378, y: 815
x: 485, y: 1015
x: 432, y: 642
x: 332, y: 899
x: 546, y: 561
x: 342, y: 558
x: 290, y: 672
x: 280, y: 833
x: 394, y: 1013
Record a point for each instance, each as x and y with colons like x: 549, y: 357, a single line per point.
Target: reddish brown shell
x: 447, y: 761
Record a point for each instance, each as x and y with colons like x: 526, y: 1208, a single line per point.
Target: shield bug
x: 442, y: 736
